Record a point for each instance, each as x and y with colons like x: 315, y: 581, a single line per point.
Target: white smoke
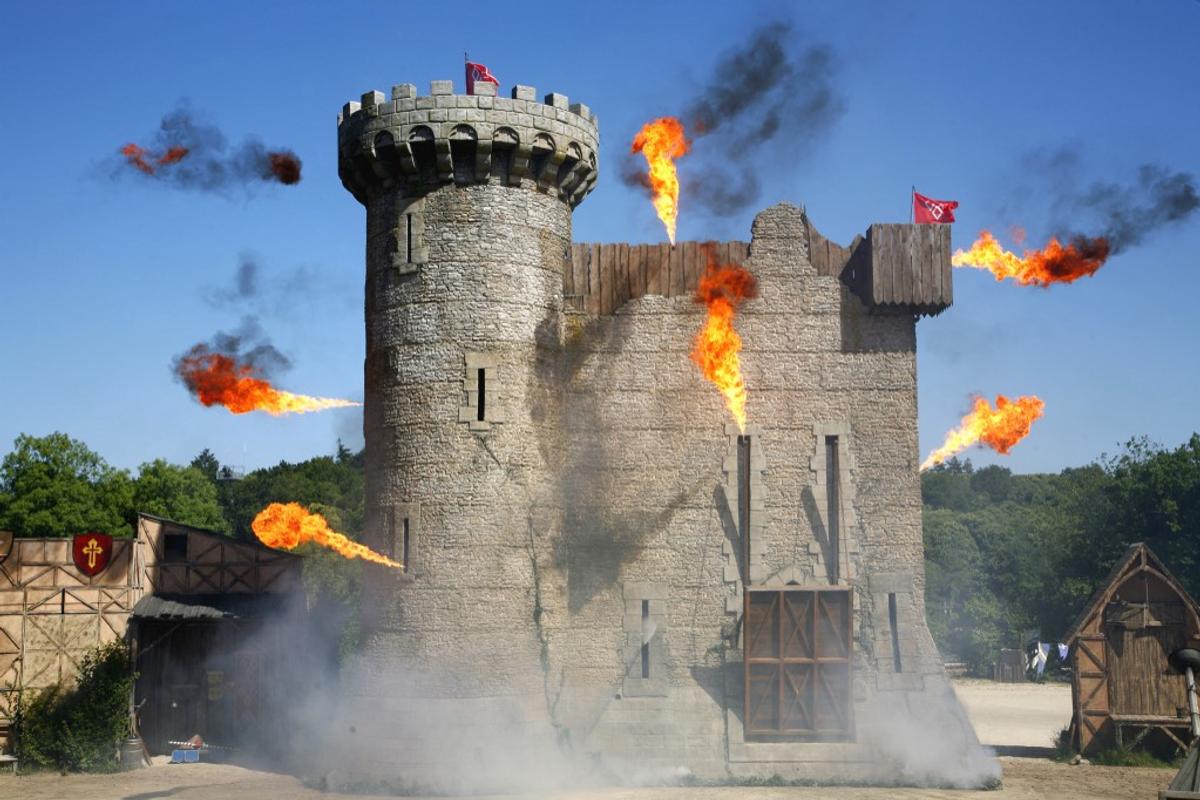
x: 925, y: 739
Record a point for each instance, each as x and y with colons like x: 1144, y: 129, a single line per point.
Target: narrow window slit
x: 408, y: 229
x: 743, y: 467
x: 647, y: 633
x: 404, y: 547
x: 895, y: 632
x: 833, y: 509
x: 481, y: 394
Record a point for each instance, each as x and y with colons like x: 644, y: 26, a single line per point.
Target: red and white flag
x: 478, y: 72
x: 927, y: 211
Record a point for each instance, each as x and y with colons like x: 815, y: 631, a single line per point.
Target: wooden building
x: 51, y: 612
x: 1123, y: 689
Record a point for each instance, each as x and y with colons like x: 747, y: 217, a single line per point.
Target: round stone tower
x: 468, y: 201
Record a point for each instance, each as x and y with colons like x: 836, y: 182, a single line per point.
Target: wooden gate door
x: 1091, y: 696
x: 797, y: 663
x: 1158, y: 691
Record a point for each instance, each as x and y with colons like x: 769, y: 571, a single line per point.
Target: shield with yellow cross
x: 91, y: 552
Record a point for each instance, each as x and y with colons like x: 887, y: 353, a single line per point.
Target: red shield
x: 91, y: 552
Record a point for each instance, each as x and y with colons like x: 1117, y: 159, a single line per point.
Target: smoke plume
x: 248, y: 344
x: 190, y: 154
x: 771, y: 84
x: 1124, y: 213
x: 245, y: 288
x: 253, y: 290
x: 1130, y: 213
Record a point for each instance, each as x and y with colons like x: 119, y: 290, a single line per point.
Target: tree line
x: 1008, y: 557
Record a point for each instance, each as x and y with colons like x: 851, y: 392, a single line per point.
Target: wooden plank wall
x: 603, y: 277
x: 910, y: 265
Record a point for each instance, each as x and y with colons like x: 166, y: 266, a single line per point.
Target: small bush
x: 1063, y: 748
x: 79, y: 729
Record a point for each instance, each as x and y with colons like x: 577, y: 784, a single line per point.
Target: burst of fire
x: 285, y: 166
x: 1055, y: 263
x: 218, y: 379
x: 286, y: 526
x: 722, y: 288
x: 136, y: 155
x: 999, y: 428
x: 661, y: 142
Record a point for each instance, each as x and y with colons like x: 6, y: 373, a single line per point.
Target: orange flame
x: 1055, y: 263
x: 137, y: 157
x: 662, y: 141
x: 722, y: 288
x: 173, y: 155
x: 999, y: 428
x: 217, y: 379
x: 136, y: 154
x: 286, y: 526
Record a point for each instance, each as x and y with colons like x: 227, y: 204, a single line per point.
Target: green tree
x: 319, y: 482
x: 332, y: 487
x: 55, y: 486
x: 184, y: 494
x: 207, y: 463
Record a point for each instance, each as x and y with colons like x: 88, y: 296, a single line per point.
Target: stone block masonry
x: 570, y: 485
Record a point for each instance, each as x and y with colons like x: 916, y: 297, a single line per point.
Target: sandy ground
x: 1006, y: 715
x: 1016, y: 714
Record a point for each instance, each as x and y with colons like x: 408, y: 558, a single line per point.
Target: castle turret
x: 469, y: 201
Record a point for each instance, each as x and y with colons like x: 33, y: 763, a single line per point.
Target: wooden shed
x: 1122, y: 688
x: 51, y: 613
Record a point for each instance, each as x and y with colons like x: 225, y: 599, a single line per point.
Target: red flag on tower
x: 928, y: 211
x: 478, y: 72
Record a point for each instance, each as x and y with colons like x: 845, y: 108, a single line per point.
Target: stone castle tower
x: 599, y: 564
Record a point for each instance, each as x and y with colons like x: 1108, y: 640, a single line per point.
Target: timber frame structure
x: 1122, y: 688
x: 51, y: 613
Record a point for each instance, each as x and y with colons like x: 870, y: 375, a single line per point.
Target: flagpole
x: 912, y: 194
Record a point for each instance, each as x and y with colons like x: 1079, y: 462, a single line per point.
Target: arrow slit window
x: 833, y: 473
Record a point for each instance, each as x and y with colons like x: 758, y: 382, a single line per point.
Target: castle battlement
x: 413, y: 143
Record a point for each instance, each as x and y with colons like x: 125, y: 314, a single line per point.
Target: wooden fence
x: 603, y: 277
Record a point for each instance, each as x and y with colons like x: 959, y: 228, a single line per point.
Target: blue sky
x: 104, y: 281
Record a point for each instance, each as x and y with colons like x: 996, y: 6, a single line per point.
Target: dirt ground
x: 1016, y: 714
x: 1005, y: 715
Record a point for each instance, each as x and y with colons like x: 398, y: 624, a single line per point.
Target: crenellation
x: 566, y: 164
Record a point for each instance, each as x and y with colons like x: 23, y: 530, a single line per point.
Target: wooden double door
x: 798, y: 645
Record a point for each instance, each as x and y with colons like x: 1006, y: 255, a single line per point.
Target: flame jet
x: 722, y: 289
x: 219, y: 379
x: 661, y: 142
x: 285, y: 526
x: 1055, y: 263
x: 999, y: 428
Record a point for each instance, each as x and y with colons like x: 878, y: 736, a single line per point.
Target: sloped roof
x: 208, y: 606
x: 243, y: 539
x: 1137, y: 558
